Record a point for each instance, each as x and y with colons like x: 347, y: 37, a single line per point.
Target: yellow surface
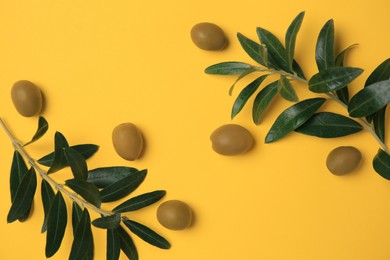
x: 101, y: 63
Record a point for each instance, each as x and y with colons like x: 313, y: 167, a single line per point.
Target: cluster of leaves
x: 366, y: 108
x: 96, y: 186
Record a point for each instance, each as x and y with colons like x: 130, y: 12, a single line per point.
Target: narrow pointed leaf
x: 325, y: 47
x: 333, y: 79
x: 140, y: 201
x: 228, y: 68
x: 379, y: 121
x: 242, y: 75
x: 263, y: 100
x: 147, y: 234
x: 370, y: 99
x: 86, y: 150
x: 245, y: 94
x: 86, y: 190
x: 339, y: 61
x: 105, y: 176
x: 24, y: 196
x: 82, y: 238
x: 47, y: 195
x: 275, y: 49
x: 286, y: 89
x: 59, y: 162
x: 297, y: 69
x: 329, y: 125
x: 77, y: 212
x: 291, y: 36
x: 18, y: 170
x: 56, y: 224
x: 251, y: 48
x: 293, y: 117
x: 113, y: 244
x: 123, y: 187
x: 77, y: 163
x: 109, y: 222
x: 381, y: 164
x: 127, y: 244
x: 43, y: 126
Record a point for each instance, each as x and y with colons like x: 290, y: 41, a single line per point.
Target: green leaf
x: 370, y: 99
x: 140, y: 201
x: 291, y: 36
x: 293, y: 117
x: 43, y: 126
x: 242, y: 75
x: 286, y: 89
x: 77, y: 212
x: 109, y: 222
x: 251, y: 48
x: 379, y: 120
x: 56, y: 224
x: 24, y: 196
x: 339, y: 61
x: 18, y: 170
x: 123, y: 187
x: 86, y: 190
x: 275, y: 49
x: 263, y: 100
x: 228, y: 68
x: 83, y: 238
x: 77, y: 163
x: 333, y: 79
x: 147, y: 234
x: 127, y: 244
x: 329, y: 125
x: 86, y: 150
x: 113, y: 244
x: 325, y: 47
x: 47, y: 195
x: 245, y: 94
x: 381, y: 164
x: 59, y: 161
x: 105, y: 176
x: 297, y: 69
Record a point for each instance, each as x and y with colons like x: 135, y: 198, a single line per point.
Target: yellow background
x: 101, y: 63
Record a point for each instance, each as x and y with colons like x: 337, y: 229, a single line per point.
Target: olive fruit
x: 27, y: 98
x: 128, y: 141
x: 231, y: 139
x: 208, y: 36
x: 343, y: 160
x: 174, y: 215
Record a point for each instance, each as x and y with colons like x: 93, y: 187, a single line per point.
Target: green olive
x: 27, y: 98
x: 208, y: 36
x: 128, y: 141
x: 231, y: 139
x: 174, y: 215
x: 343, y: 160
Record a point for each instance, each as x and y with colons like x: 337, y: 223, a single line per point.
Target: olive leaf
x: 47, y: 195
x: 59, y: 162
x: 293, y: 117
x: 228, y: 68
x: 245, y: 94
x: 382, y: 72
x: 381, y: 164
x: 43, y: 126
x: 18, y: 170
x: 370, y: 99
x: 242, y: 75
x: 252, y: 49
x: 325, y: 47
x: 23, y: 197
x: 109, y: 222
x: 333, y: 79
x: 379, y: 121
x: 56, y: 224
x: 77, y: 163
x: 86, y: 190
x: 263, y: 100
x: 291, y: 36
x: 105, y: 176
x: 127, y: 244
x: 83, y: 237
x: 286, y: 89
x: 329, y: 125
x: 77, y: 212
x: 147, y: 234
x: 140, y: 201
x: 123, y: 187
x: 113, y: 244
